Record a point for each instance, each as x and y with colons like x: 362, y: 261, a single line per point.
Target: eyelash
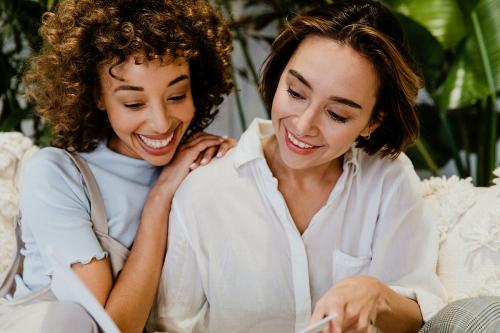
x: 177, y: 98
x: 336, y: 117
x: 294, y: 94
x: 136, y: 106
x: 333, y: 115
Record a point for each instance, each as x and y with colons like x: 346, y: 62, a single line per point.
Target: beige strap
x: 7, y: 282
x: 97, y: 210
x: 118, y: 253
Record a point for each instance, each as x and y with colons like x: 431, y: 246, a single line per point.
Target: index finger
x: 337, y: 307
x: 319, y: 312
x: 337, y: 322
x: 319, y: 325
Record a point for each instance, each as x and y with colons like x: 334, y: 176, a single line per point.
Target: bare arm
x: 401, y: 314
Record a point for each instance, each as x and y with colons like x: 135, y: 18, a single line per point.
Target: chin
x: 158, y: 161
x: 293, y: 163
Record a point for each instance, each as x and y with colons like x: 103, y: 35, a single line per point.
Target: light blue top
x: 55, y: 207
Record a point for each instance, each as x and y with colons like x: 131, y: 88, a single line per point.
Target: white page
x: 68, y: 287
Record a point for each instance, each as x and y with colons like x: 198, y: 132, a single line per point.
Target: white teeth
x: 156, y: 144
x: 298, y: 143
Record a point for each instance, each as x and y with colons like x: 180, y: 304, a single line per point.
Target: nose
x: 305, y: 123
x: 159, y: 118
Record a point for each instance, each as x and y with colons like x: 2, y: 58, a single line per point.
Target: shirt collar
x: 249, y: 147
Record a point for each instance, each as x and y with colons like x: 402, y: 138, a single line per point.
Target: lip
x: 161, y: 151
x: 298, y: 150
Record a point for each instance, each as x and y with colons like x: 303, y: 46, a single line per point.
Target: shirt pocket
x: 345, y: 265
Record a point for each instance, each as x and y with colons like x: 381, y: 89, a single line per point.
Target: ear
x: 373, y: 124
x: 100, y: 104
x: 99, y: 101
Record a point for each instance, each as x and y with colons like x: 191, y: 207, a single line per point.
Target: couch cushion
x: 14, y: 149
x: 468, y: 219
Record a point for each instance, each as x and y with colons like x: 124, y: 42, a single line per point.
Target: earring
x: 368, y: 136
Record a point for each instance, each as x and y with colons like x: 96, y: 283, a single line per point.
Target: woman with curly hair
x: 126, y: 87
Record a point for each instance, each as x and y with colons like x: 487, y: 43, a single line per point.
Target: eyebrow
x: 178, y: 79
x: 137, y: 88
x: 337, y: 99
x: 128, y: 87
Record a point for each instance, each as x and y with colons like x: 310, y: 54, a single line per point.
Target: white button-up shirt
x: 236, y: 262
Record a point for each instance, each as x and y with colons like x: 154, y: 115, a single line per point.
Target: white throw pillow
x: 468, y: 219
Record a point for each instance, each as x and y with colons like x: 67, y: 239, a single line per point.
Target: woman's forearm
x: 400, y: 314
x: 133, y: 293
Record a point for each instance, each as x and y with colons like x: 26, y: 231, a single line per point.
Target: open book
x: 66, y: 286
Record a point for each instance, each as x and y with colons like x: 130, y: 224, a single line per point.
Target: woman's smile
x: 158, y: 144
x: 298, y: 146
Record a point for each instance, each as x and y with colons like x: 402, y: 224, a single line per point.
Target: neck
x: 321, y: 174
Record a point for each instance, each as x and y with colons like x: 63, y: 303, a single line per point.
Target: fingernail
x: 225, y: 137
x: 193, y: 166
x: 219, y: 155
x: 204, y: 161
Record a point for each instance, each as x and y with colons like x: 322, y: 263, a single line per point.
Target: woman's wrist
x: 158, y: 202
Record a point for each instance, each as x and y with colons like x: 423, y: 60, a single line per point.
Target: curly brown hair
x: 81, y: 34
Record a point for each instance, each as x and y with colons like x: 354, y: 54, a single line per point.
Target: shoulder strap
x: 7, y: 281
x: 97, y: 210
x: 118, y: 253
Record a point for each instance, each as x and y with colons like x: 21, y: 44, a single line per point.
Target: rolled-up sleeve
x: 405, y: 246
x: 55, y: 211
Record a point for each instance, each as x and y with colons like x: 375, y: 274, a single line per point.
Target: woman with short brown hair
x: 316, y: 213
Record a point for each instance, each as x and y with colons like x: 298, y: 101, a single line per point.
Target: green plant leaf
x: 467, y: 5
x: 12, y: 114
x: 433, y: 137
x: 465, y: 83
x: 426, y: 50
x: 50, y: 4
x: 488, y: 14
x: 467, y: 80
x: 443, y: 18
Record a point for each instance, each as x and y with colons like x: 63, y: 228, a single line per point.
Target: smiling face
x: 149, y: 106
x: 323, y: 103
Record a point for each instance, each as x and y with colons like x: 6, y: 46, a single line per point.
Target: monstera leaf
x: 443, y: 18
x: 426, y: 50
x: 488, y: 19
x: 466, y: 82
x: 467, y: 79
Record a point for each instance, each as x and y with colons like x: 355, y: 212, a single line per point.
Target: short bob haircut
x: 81, y: 34
x: 373, y: 31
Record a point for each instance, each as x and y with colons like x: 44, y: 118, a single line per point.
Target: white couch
x: 468, y: 219
x: 14, y: 149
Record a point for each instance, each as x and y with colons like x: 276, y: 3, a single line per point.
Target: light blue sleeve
x: 55, y: 209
